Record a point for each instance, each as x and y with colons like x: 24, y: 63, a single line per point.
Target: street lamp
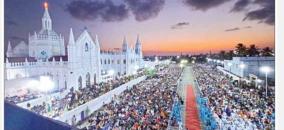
x: 242, y: 66
x: 230, y: 64
x: 111, y: 72
x: 266, y: 70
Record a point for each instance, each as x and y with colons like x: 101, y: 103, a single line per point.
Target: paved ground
x: 187, y: 78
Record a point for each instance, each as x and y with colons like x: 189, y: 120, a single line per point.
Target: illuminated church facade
x: 78, y: 63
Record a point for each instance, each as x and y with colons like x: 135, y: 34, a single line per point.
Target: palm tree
x: 229, y: 55
x: 222, y: 55
x: 267, y: 51
x: 241, y: 50
x: 253, y: 50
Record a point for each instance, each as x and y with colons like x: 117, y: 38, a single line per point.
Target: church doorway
x: 95, y: 82
x: 88, y: 80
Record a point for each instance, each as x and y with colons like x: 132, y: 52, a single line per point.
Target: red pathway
x: 192, y: 121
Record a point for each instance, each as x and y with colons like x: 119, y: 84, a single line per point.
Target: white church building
x: 78, y: 63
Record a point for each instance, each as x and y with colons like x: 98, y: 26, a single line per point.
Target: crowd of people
x: 22, y: 98
x: 75, y: 98
x: 144, y: 106
x: 235, y: 107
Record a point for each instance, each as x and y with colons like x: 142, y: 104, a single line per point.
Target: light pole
x: 266, y: 70
x: 230, y: 64
x: 242, y: 66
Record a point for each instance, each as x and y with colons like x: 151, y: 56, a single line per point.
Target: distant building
x: 248, y: 66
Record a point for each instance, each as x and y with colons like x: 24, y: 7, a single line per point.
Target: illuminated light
x: 45, y: 84
x: 181, y: 65
x: 136, y: 67
x: 230, y: 64
x: 145, y: 65
x: 258, y: 81
x: 111, y: 72
x: 45, y: 5
x: 134, y: 72
x: 265, y: 69
x: 242, y: 66
x: 193, y: 62
x: 33, y: 84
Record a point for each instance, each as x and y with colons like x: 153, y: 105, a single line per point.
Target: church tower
x: 46, y: 43
x: 46, y: 20
x: 71, y: 47
x: 9, y: 52
x: 124, y: 45
x: 138, y: 46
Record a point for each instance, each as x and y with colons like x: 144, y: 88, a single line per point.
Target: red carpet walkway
x: 192, y: 121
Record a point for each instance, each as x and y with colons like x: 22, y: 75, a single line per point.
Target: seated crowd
x: 144, y: 106
x: 75, y: 98
x: 22, y: 98
x: 235, y: 107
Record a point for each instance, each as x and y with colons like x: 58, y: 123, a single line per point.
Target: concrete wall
x: 252, y: 66
x: 97, y: 103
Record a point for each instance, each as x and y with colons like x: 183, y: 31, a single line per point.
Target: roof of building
x: 17, y: 118
x: 57, y: 58
x: 20, y: 59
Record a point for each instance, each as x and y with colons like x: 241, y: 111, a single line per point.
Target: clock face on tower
x: 43, y: 54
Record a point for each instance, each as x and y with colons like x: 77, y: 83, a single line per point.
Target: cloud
x: 180, y: 25
x: 237, y: 28
x: 247, y: 27
x: 264, y: 14
x: 145, y: 9
x: 232, y: 29
x: 204, y: 4
x: 240, y: 5
x: 92, y: 10
x: 10, y: 23
x: 16, y: 38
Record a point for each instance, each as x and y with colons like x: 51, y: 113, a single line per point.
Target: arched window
x: 86, y: 47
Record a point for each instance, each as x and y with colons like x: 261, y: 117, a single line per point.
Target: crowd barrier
x: 83, y: 111
x: 205, y: 114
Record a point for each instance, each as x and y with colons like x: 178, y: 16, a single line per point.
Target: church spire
x: 124, y: 45
x: 124, y: 40
x: 71, y: 37
x: 138, y: 40
x: 9, y: 46
x: 9, y: 50
x: 46, y: 20
x: 138, y: 46
x: 97, y: 41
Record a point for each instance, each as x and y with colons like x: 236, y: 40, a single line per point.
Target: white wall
x: 95, y: 104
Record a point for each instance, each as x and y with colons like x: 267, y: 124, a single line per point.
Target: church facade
x: 78, y: 63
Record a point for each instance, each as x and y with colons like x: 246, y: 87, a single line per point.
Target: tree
x: 229, y: 55
x: 267, y: 51
x: 241, y: 50
x: 222, y: 55
x: 253, y: 50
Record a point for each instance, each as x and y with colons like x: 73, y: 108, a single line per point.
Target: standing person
x: 74, y: 120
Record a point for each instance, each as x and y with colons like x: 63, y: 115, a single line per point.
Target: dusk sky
x: 164, y: 26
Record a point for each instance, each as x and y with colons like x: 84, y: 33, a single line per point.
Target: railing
x: 205, y: 114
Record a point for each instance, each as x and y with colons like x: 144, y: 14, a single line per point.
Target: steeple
x: 124, y: 45
x: 97, y: 41
x: 138, y: 47
x: 138, y: 40
x: 71, y: 37
x: 9, y: 50
x: 46, y: 20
